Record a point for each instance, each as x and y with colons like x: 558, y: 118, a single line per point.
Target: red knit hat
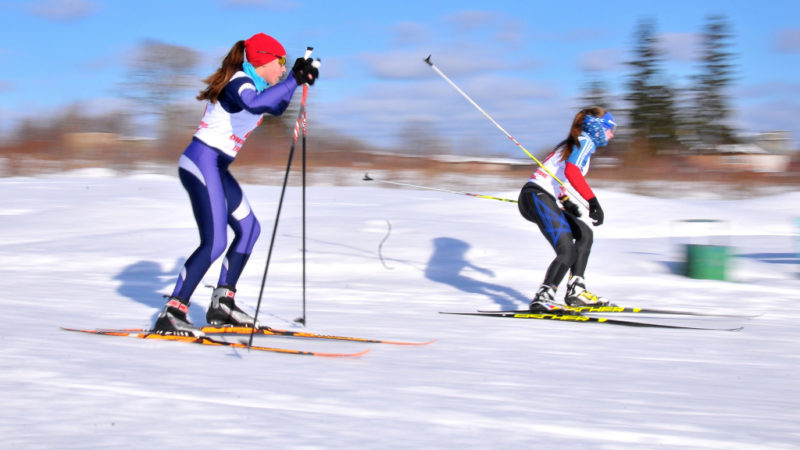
x: 262, y: 49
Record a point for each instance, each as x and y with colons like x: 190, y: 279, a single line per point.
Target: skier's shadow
x: 144, y: 282
x: 447, y: 263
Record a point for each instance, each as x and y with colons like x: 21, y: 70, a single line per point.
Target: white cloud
x: 513, y: 33
x: 406, y: 64
x: 680, y: 47
x: 63, y: 10
x: 400, y: 89
x: 467, y: 21
x: 456, y: 59
x: 381, y: 112
x: 409, y: 33
x: 601, y: 60
x: 497, y: 27
x: 577, y: 35
x: 277, y: 5
x: 770, y: 90
x: 788, y: 40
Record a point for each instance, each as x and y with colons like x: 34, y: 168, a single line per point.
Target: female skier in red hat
x: 246, y: 86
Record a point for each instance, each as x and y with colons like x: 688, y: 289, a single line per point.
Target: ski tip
x: 408, y: 344
x: 113, y: 332
x: 341, y: 355
x: 362, y: 353
x: 706, y: 329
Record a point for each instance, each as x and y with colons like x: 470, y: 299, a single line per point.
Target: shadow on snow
x: 144, y: 282
x: 447, y: 264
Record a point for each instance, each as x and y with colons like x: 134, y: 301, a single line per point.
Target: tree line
x: 658, y: 116
x: 663, y: 118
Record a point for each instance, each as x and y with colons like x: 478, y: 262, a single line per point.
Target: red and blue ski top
x: 571, y: 171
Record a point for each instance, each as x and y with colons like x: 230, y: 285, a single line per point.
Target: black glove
x: 569, y: 206
x: 595, y: 211
x: 302, y: 69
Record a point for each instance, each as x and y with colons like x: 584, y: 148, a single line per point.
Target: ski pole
x: 317, y: 63
x: 489, y: 197
x: 302, y: 319
x: 508, y: 135
x: 297, y: 125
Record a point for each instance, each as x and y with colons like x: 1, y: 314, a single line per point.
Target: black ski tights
x: 570, y: 237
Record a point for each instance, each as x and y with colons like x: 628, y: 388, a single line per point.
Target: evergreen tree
x: 716, y: 73
x: 596, y: 94
x: 652, y: 115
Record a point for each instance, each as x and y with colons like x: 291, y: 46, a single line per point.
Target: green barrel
x: 708, y: 262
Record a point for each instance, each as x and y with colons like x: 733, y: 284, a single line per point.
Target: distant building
x: 775, y: 142
x: 763, y: 152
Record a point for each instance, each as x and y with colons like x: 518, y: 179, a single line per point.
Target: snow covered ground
x: 94, y: 249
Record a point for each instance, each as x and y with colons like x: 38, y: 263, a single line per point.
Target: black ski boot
x: 223, y: 312
x: 578, y: 295
x: 173, y: 320
x: 544, y: 302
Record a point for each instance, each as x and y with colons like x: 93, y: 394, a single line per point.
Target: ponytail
x: 217, y: 82
x: 577, y: 127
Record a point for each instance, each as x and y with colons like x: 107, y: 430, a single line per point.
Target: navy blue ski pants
x: 217, y: 202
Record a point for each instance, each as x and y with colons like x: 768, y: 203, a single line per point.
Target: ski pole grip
x: 314, y: 64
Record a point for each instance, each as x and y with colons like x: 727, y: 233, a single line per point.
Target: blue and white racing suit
x: 216, y: 197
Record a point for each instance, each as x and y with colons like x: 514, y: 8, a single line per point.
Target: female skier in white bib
x: 238, y: 94
x: 570, y: 237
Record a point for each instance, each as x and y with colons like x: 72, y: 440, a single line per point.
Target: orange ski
x: 205, y: 340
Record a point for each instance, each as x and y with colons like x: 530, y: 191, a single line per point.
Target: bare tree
x: 419, y: 137
x: 160, y: 76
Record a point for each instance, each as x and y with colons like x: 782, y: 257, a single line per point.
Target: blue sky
x: 525, y: 62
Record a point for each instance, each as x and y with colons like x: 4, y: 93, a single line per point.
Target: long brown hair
x: 230, y: 65
x: 577, y: 127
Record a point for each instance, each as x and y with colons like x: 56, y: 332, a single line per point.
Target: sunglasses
x: 281, y: 59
